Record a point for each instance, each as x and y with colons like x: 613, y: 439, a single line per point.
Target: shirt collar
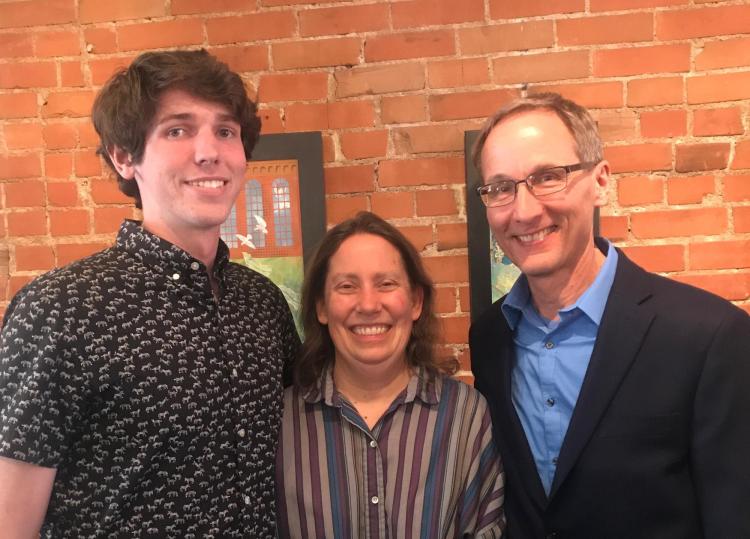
x: 591, y: 302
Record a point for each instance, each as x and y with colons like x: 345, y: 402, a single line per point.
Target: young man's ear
x: 122, y: 161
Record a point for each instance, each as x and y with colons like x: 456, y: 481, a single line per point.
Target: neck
x: 201, y: 245
x: 366, y: 385
x: 553, y: 292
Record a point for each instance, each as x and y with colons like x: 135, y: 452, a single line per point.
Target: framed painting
x: 491, y: 273
x: 279, y: 215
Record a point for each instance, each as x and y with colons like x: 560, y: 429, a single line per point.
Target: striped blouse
x: 428, y: 469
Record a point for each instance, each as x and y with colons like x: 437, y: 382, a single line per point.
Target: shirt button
x: 549, y: 345
x: 374, y: 500
x: 241, y: 433
x: 554, y: 461
x: 247, y: 500
x: 176, y: 276
x: 373, y: 444
x: 195, y: 266
x: 550, y: 402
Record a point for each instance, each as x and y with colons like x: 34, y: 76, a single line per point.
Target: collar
x: 591, y: 302
x: 423, y: 385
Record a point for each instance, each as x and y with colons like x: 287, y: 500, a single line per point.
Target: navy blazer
x: 659, y: 442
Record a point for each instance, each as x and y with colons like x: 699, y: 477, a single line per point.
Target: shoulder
x: 489, y: 319
x: 465, y: 396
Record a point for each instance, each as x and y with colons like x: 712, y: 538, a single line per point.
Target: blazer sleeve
x: 721, y: 430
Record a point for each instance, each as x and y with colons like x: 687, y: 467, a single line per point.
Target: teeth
x: 213, y: 184
x: 536, y: 236
x: 369, y: 330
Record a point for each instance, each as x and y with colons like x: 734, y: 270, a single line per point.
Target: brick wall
x: 393, y: 85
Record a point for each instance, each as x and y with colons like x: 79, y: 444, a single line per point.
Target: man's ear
x: 602, y: 183
x: 122, y: 161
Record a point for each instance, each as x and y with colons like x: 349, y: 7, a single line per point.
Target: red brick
x: 19, y: 166
x: 459, y: 105
x: 626, y: 28
x: 316, y: 53
x: 24, y: 194
x: 103, y: 69
x: 58, y: 165
x: 36, y: 13
x: 343, y: 20
x: 690, y: 157
x: 16, y: 282
x: 432, y: 138
x: 87, y: 137
x: 547, y: 66
x: 503, y: 9
x: 420, y: 13
x: 655, y: 91
x: 329, y: 149
x: 28, y: 75
x: 270, y: 120
x: 62, y: 194
x: 614, y: 227
x: 640, y: 60
x: 588, y: 94
x: 731, y: 286
x: 254, y: 27
x: 343, y: 114
x: 23, y: 136
x: 613, y: 5
x: 192, y: 7
x: 409, y: 45
x: 394, y: 205
x: 419, y: 236
x: 155, y: 35
x: 27, y: 223
x: 690, y: 190
x: 339, y: 209
x: 521, y: 36
x: 109, y: 219
x: 16, y: 45
x: 70, y: 252
x: 702, y: 22
x: 403, y: 109
x: 71, y: 74
x: 106, y: 191
x: 741, y: 217
x: 349, y: 179
x: 663, y: 123
x: 57, y: 43
x: 714, y: 122
x: 616, y: 125
x: 447, y: 269
x: 639, y: 157
x: 87, y: 163
x: 68, y: 104
x: 457, y: 73
x: 669, y: 223
x: 59, y: 136
x: 741, y: 155
x: 379, y: 79
x: 661, y: 258
x: 445, y: 299
x: 638, y: 190
x: 453, y: 330
x: 725, y: 53
x: 364, y: 144
x: 97, y: 11
x: 293, y: 87
x: 66, y: 222
x: 426, y: 171
x: 243, y: 58
x: 722, y: 87
x: 436, y: 202
x: 269, y: 3
x: 736, y: 188
x: 101, y: 40
x: 719, y: 255
x: 34, y: 257
x: 451, y: 236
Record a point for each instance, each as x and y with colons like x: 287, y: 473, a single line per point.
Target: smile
x: 370, y: 330
x: 207, y: 184
x: 536, y: 236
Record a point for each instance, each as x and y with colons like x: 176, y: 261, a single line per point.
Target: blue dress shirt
x: 551, y: 360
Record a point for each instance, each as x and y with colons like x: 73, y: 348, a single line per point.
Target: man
x: 140, y: 387
x: 619, y: 398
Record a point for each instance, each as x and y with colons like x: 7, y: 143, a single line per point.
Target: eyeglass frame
x: 480, y: 190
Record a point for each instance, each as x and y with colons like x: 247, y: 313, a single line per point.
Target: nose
x: 368, y: 300
x: 526, y: 207
x: 206, y: 147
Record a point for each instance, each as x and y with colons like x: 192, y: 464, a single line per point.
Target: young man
x: 140, y: 388
x: 619, y: 398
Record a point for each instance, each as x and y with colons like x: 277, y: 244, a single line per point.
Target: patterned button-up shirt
x: 158, y: 404
x: 428, y: 468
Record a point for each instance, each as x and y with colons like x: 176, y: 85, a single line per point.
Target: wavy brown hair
x: 318, y: 351
x: 126, y: 107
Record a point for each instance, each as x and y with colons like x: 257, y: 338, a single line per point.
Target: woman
x: 377, y: 440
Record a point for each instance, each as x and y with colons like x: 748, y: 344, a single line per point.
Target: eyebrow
x: 190, y: 116
x: 538, y: 168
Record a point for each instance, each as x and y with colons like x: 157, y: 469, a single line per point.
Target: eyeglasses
x: 541, y: 183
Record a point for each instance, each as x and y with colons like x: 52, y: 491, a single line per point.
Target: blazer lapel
x: 623, y: 327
